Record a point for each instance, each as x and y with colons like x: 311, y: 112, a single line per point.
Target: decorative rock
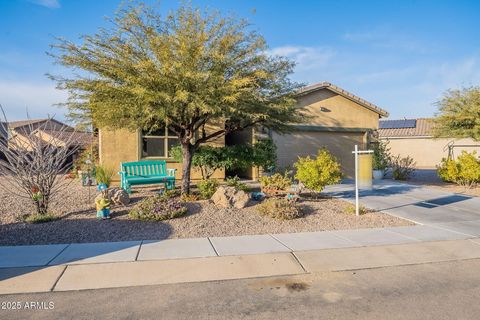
x: 120, y: 197
x: 229, y: 197
x: 112, y: 191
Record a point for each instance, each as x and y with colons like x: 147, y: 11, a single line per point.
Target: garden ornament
x: 257, y: 196
x: 102, y: 203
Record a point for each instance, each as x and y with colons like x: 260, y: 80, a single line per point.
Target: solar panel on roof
x: 398, y: 124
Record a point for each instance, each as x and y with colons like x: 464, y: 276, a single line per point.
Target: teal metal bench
x: 146, y: 172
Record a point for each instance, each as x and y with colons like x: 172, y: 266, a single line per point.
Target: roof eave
x: 327, y: 85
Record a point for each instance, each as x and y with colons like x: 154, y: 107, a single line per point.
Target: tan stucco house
x: 337, y: 120
x: 414, y: 138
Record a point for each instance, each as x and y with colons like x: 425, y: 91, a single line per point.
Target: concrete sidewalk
x: 147, y: 250
x: 138, y: 273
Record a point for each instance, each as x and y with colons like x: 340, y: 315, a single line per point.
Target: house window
x: 158, y: 143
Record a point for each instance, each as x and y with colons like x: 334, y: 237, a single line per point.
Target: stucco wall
x: 334, y: 122
x: 328, y: 109
x: 116, y: 146
x: 427, y: 152
x: 301, y: 144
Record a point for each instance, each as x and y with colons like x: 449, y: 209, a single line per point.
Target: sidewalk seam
x: 298, y: 261
x: 61, y: 251
x: 283, y: 244
x: 58, y: 279
x: 138, y: 252
x: 213, y: 247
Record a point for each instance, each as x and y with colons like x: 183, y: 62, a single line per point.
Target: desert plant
x: 35, y: 165
x: 264, y: 154
x: 402, y: 167
x: 280, y: 208
x: 189, y: 197
x: 381, y: 155
x: 89, y: 153
x: 316, y: 173
x: 207, y: 187
x: 158, y: 208
x: 465, y: 170
x: 350, y: 209
x: 235, y: 182
x: 40, y: 218
x: 276, y: 182
x: 104, y: 174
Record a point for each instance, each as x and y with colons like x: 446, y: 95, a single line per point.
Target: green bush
x: 402, y: 168
x: 280, y: 208
x: 208, y: 158
x: 381, y: 155
x: 207, y: 187
x: 465, y: 170
x: 350, y: 209
x: 276, y: 182
x: 264, y: 154
x: 235, y: 182
x: 317, y: 173
x: 104, y: 174
x: 40, y: 218
x: 158, y: 208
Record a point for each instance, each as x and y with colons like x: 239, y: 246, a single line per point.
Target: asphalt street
x: 447, y: 290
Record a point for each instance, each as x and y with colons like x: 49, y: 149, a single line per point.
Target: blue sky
x: 400, y: 55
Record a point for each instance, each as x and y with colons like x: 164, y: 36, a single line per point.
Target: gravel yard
x: 79, y: 224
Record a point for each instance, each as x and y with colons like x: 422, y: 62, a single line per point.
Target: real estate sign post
x: 363, y: 173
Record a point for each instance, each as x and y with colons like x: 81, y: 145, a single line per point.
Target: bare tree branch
x: 37, y: 159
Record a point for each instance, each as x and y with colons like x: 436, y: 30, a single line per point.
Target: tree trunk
x: 187, y: 153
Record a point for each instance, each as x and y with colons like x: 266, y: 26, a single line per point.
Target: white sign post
x: 357, y: 152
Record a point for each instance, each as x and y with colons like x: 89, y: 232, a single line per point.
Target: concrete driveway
x: 422, y: 205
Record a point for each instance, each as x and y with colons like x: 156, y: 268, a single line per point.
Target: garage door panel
x: 301, y: 144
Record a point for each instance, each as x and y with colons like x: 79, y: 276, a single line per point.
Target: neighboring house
x: 337, y: 120
x: 414, y: 138
x: 21, y: 133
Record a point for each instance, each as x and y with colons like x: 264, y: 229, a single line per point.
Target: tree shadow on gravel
x: 82, y: 231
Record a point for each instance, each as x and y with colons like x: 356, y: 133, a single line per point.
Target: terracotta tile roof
x: 423, y: 128
x: 79, y: 137
x: 21, y: 123
x: 344, y: 93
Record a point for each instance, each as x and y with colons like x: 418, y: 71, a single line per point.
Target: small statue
x: 102, y: 202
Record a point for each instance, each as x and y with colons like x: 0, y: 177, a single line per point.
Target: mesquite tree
x: 36, y: 161
x: 201, y: 74
x: 459, y: 114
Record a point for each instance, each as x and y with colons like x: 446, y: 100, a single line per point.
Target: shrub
x: 235, y: 182
x: 381, y: 155
x: 265, y: 154
x: 188, y: 197
x: 276, y: 182
x: 209, y: 158
x: 90, y: 153
x: 350, y: 209
x: 448, y: 170
x: 104, y: 175
x: 279, y: 208
x: 207, y: 187
x: 316, y: 173
x: 402, y: 168
x: 158, y: 208
x: 465, y: 170
x: 40, y: 218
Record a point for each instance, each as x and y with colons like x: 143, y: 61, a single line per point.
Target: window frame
x: 165, y: 137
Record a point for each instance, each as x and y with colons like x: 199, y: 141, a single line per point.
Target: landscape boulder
x: 229, y: 197
x: 121, y: 197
